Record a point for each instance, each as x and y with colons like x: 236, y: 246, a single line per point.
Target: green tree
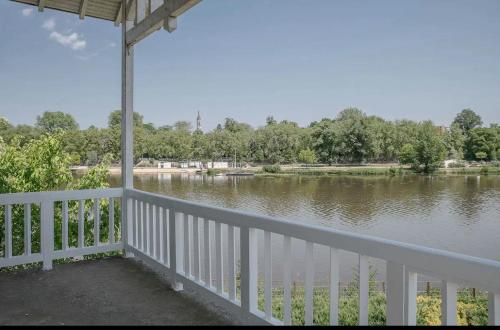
x: 483, y: 139
x: 324, y: 140
x: 115, y: 119
x: 50, y: 122
x: 430, y: 149
x: 4, y: 124
x: 455, y: 142
x: 481, y: 155
x: 407, y: 155
x: 354, y: 142
x: 467, y: 119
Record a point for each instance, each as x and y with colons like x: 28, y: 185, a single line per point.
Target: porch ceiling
x: 109, y: 10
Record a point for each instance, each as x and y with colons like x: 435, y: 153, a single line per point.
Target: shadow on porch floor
x: 112, y: 291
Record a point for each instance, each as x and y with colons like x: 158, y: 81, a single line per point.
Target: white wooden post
x: 493, y: 309
x: 127, y: 126
x: 410, y: 298
x: 395, y: 293
x: 248, y: 246
x: 47, y: 233
x: 448, y: 303
x: 175, y: 262
x: 363, y: 285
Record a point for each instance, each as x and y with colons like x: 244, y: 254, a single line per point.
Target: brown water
x: 455, y: 213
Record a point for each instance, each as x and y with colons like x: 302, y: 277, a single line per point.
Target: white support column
x: 127, y: 142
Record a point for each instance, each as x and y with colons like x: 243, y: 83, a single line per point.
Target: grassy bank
x: 373, y: 171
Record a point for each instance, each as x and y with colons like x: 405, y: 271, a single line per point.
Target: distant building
x: 164, y: 165
x: 198, y: 122
x: 217, y: 165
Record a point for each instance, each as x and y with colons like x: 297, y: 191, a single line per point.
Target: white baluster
x: 248, y: 242
x: 27, y: 229
x: 363, y: 289
x: 287, y: 280
x: 47, y: 234
x: 448, y: 303
x: 493, y: 308
x: 196, y: 249
x: 395, y: 293
x: 166, y: 238
x: 65, y: 243
x: 151, y: 230
x: 158, y: 233
x: 97, y: 219
x: 8, y: 231
x: 206, y: 243
x: 218, y: 257
x: 134, y: 223
x: 309, y: 285
x: 268, y: 276
x: 111, y: 212
x: 231, y: 262
x: 81, y: 224
x: 334, y: 286
x: 411, y: 298
x: 187, y: 256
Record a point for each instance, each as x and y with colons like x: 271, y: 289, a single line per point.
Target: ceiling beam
x: 130, y: 9
x: 83, y: 8
x: 118, y: 17
x: 41, y: 5
x: 164, y: 16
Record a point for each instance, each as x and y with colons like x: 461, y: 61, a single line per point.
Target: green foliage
x: 407, y: 155
x: 271, y: 168
x: 351, y: 137
x: 481, y: 155
x: 51, y: 122
x: 115, y: 119
x: 470, y: 310
x: 43, y: 165
x: 307, y: 156
x: 427, y: 152
x: 467, y: 120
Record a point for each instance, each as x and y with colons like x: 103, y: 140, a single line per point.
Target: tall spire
x: 198, y: 122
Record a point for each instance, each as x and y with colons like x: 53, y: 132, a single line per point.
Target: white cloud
x: 96, y: 53
x: 49, y: 24
x: 27, y: 12
x: 73, y: 40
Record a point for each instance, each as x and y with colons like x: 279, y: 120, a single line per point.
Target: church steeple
x: 198, y: 122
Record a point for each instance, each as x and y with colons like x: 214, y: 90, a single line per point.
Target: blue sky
x: 300, y: 60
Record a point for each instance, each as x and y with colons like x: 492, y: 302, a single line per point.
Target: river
x: 454, y: 213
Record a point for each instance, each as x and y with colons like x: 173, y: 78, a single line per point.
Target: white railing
x: 37, y: 213
x: 194, y: 251
x: 183, y: 250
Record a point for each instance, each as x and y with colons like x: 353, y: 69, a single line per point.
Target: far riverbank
x: 285, y: 170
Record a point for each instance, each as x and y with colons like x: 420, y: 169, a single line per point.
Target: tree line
x: 352, y: 137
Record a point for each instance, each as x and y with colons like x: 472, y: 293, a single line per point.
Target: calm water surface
x: 455, y: 213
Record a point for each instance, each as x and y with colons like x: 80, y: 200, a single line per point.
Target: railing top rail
x: 446, y: 265
x: 62, y: 195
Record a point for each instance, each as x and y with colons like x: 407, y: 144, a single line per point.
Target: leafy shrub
x: 271, y: 168
x: 484, y: 170
x: 458, y: 164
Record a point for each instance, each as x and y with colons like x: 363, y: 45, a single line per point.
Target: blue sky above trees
x: 421, y: 59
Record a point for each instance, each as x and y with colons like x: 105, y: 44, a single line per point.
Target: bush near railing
x: 470, y: 310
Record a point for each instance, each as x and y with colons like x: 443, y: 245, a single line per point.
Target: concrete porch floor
x: 113, y: 291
